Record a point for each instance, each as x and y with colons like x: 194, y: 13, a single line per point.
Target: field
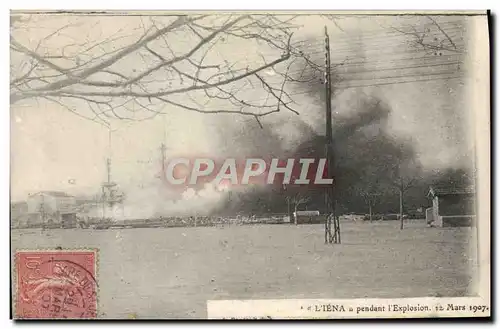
x: 171, y: 273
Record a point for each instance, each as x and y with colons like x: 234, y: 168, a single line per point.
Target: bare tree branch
x: 434, y: 39
x: 443, y: 32
x: 298, y: 199
x: 95, y: 72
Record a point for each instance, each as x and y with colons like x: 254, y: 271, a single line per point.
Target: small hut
x: 451, y: 206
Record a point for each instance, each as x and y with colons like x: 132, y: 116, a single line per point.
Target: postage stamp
x: 250, y: 164
x: 56, y: 284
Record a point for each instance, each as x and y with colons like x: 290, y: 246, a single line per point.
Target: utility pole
x: 103, y: 202
x: 163, y: 158
x: 330, y: 192
x: 163, y: 150
x: 108, y: 170
x: 108, y: 187
x: 42, y: 210
x: 401, y: 191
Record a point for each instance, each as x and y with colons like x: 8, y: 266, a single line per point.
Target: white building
x: 51, y: 207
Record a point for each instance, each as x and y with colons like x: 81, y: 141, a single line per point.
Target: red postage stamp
x: 59, y: 284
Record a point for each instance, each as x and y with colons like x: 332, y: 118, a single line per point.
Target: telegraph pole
x: 330, y: 192
x: 108, y: 169
x: 108, y: 158
x: 163, y: 158
x: 108, y: 187
x: 163, y: 151
x: 103, y: 202
x: 42, y: 210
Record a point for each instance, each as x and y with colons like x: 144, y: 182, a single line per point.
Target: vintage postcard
x: 249, y: 165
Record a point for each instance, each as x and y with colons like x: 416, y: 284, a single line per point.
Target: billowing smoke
x: 156, y: 200
x: 365, y: 145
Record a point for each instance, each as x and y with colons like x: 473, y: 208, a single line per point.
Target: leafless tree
x: 371, y: 197
x: 404, y: 174
x: 403, y: 185
x: 297, y: 199
x: 161, y: 62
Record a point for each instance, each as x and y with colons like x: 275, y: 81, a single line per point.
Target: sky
x: 54, y: 149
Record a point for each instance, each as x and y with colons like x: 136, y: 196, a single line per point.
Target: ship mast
x: 110, y: 195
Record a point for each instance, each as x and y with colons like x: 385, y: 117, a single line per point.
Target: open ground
x: 172, y: 272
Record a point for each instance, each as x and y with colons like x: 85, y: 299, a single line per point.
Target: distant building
x: 18, y: 211
x: 51, y: 208
x: 451, y: 206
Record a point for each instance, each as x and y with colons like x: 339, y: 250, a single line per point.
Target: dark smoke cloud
x: 364, y: 148
x: 360, y: 141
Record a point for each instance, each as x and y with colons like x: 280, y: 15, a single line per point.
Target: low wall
x: 311, y: 219
x: 458, y: 221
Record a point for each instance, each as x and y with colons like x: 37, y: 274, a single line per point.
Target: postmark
x: 56, y: 284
